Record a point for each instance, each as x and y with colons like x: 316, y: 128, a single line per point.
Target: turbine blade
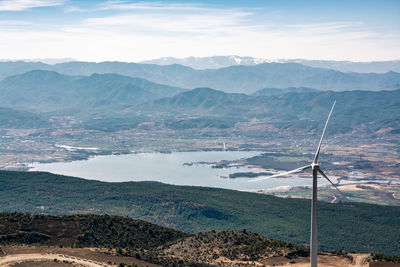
x: 326, y: 177
x: 283, y: 173
x: 322, y: 136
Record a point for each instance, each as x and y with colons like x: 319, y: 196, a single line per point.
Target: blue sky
x: 126, y: 30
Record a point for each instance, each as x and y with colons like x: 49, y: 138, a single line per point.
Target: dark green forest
x: 345, y: 226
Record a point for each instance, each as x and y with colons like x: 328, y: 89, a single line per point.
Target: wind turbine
x: 315, y: 169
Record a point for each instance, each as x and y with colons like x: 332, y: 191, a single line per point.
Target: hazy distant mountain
x: 206, y: 101
x: 50, y: 61
x: 107, y: 95
x: 281, y: 91
x: 291, y: 110
x: 349, y: 66
x: 50, y: 91
x: 248, y: 79
x: 202, y: 63
x: 217, y: 62
x: 241, y: 79
x: 38, y: 90
x: 10, y: 68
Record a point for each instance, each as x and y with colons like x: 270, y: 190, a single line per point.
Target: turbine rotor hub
x: 314, y: 166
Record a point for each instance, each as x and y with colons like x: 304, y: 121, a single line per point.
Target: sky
x: 132, y: 31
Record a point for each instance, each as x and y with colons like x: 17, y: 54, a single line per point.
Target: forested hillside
x: 111, y: 102
x: 349, y: 226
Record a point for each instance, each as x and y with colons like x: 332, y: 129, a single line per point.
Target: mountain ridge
x: 303, y: 109
x: 46, y: 91
x: 110, y: 102
x: 241, y: 78
x: 215, y: 62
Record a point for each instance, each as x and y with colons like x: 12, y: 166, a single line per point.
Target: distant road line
x: 10, y: 259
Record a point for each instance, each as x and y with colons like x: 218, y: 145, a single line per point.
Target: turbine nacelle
x: 314, y: 166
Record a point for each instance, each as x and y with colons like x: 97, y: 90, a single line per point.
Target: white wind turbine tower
x: 315, y: 168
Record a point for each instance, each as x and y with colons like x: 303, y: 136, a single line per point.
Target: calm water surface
x: 167, y: 168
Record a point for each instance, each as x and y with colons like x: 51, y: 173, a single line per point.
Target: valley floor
x: 347, y: 160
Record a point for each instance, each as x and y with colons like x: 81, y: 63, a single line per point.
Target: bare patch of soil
x: 98, y: 255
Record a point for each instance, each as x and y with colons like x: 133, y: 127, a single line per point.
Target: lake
x: 168, y: 168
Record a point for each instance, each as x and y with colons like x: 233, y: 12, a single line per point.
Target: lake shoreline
x: 24, y: 166
x: 178, y: 168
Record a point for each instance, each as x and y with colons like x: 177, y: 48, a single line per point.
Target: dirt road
x: 11, y: 259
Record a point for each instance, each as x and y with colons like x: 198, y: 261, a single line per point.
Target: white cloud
x: 18, y: 5
x: 8, y: 23
x: 70, y: 9
x: 222, y: 22
x: 142, y: 7
x: 125, y: 5
x: 140, y: 31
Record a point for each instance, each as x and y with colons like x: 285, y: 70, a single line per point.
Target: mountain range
x: 47, y: 91
x: 114, y: 102
x: 241, y: 79
x: 282, y: 91
x: 291, y: 110
x: 216, y: 62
